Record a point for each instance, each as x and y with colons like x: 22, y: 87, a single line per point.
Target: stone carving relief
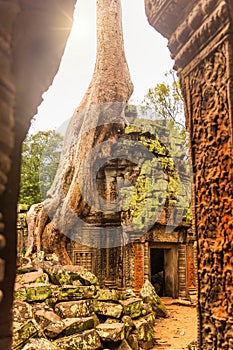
x: 212, y: 152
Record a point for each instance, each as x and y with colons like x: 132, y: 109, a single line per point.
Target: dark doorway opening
x: 157, y: 270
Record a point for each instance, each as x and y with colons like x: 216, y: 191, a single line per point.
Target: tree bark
x: 99, y: 118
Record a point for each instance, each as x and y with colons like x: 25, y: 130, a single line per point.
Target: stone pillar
x: 138, y: 265
x: 200, y: 39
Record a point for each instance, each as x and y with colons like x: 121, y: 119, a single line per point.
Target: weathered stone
x: 108, y: 309
x: 145, y: 331
x: 30, y: 277
x: 124, y: 345
x: 77, y: 325
x: 133, y: 341
x: 146, y: 309
x: 38, y: 291
x: 74, y: 292
x: 45, y: 318
x: 20, y: 292
x: 108, y: 295
x: 56, y: 274
x: 73, y: 309
x: 132, y: 307
x: 79, y: 273
x: 24, y: 333
x: 39, y: 344
x: 129, y: 325
x: 54, y: 329
x: 149, y: 295
x: 22, y: 312
x: 66, y: 275
x: 128, y: 293
x: 26, y: 268
x: 38, y: 306
x: 111, y: 332
x: 88, y: 340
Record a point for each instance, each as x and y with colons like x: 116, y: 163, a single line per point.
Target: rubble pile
x: 63, y: 308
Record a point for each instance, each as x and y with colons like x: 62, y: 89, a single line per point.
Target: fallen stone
x: 74, y: 309
x: 20, y: 292
x: 108, y: 309
x: 45, y: 318
x: 108, y: 295
x: 127, y: 294
x: 31, y: 277
x: 129, y: 325
x: 22, y: 312
x: 79, y: 273
x: 40, y: 344
x: 74, y: 292
x: 66, y: 275
x: 124, y: 345
x: 88, y: 340
x: 132, y: 307
x: 37, y: 291
x: 149, y: 295
x: 111, y: 332
x: 23, y: 333
x: 145, y: 331
x: 133, y: 341
x: 77, y: 325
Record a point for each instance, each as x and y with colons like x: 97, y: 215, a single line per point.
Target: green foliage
x: 165, y: 101
x: 40, y: 158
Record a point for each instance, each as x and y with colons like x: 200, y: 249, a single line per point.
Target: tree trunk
x: 93, y: 130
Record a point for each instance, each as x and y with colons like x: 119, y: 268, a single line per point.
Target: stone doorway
x: 164, y: 269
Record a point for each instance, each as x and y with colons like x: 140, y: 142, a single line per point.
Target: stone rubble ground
x: 63, y: 308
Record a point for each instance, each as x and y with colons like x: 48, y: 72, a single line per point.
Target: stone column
x: 138, y: 248
x: 200, y: 39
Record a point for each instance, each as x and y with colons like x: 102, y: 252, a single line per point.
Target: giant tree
x: 99, y: 118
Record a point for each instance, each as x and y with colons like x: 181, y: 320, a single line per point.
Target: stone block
x: 132, y: 307
x: 111, y: 332
x: 73, y: 309
x: 23, y: 333
x: 40, y: 344
x: 88, y: 340
x: 108, y: 309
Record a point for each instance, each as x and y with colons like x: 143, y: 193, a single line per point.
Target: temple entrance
x: 163, y: 267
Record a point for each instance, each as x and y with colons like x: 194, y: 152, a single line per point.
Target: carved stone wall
x: 201, y: 42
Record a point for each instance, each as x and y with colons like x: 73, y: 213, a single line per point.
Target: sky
x: 146, y: 52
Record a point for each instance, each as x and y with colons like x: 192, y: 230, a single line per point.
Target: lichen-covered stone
x: 40, y: 344
x: 146, y: 309
x: 108, y: 309
x: 124, y: 345
x: 111, y: 332
x: 22, y: 312
x: 45, y: 318
x: 71, y: 292
x: 132, y: 307
x: 145, y: 331
x: 20, y: 292
x: 32, y: 277
x: 88, y: 340
x: 38, y: 291
x: 149, y: 295
x: 129, y: 325
x: 127, y: 294
x: 77, y: 325
x: 73, y: 309
x: 23, y: 333
x: 133, y: 341
x: 108, y: 295
x: 66, y: 275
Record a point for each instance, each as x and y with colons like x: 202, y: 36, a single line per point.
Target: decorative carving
x: 212, y: 159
